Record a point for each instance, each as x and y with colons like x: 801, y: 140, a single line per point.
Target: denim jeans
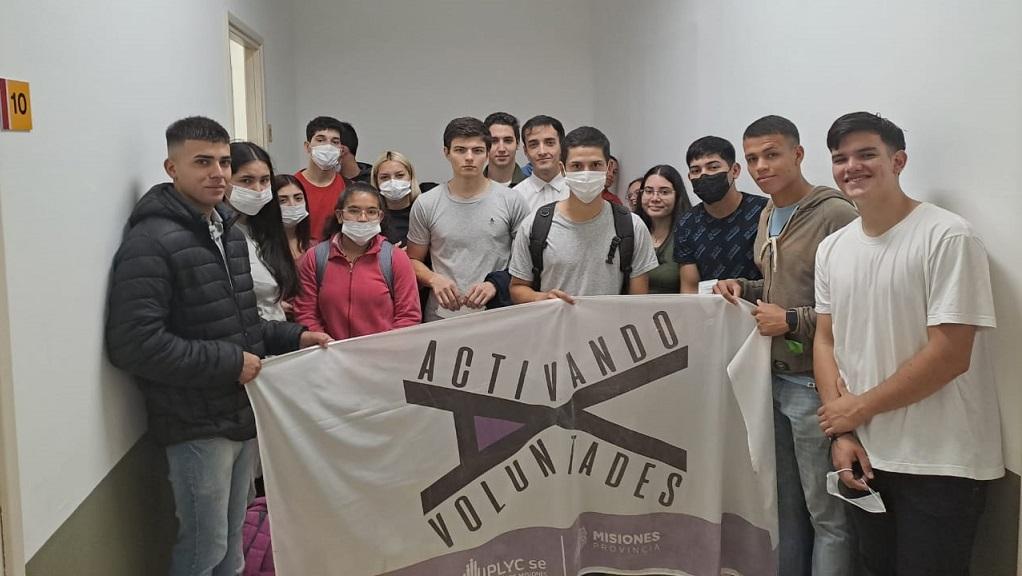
x: 815, y: 532
x: 929, y: 527
x: 210, y: 479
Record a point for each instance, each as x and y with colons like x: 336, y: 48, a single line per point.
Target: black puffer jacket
x: 180, y: 324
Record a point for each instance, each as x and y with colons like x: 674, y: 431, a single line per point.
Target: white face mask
x: 586, y: 185
x: 249, y: 201
x: 360, y: 232
x: 292, y: 215
x: 870, y: 502
x: 325, y: 156
x: 394, y: 190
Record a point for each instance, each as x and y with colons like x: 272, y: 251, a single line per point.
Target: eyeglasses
x: 354, y: 213
x: 661, y: 192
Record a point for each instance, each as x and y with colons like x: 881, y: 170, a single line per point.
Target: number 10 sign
x: 16, y: 107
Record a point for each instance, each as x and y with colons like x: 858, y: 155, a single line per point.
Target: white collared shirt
x: 537, y: 192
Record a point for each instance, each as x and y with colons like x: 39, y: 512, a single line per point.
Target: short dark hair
x: 539, y: 122
x: 320, y: 123
x: 504, y: 119
x: 771, y: 125
x: 466, y: 127
x: 349, y: 137
x: 585, y: 136
x: 708, y: 146
x: 332, y: 226
x: 888, y: 131
x: 196, y: 128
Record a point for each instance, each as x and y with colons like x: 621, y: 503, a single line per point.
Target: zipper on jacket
x: 773, y: 243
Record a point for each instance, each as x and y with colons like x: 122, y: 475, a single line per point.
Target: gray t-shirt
x: 467, y: 239
x: 575, y: 258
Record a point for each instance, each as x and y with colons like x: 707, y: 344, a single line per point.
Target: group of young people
x: 874, y: 302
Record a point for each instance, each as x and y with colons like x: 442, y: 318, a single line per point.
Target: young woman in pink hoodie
x: 351, y: 295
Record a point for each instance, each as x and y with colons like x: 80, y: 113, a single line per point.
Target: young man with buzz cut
x: 713, y: 240
x: 584, y: 252
x: 542, y: 136
x: 815, y: 536
x: 904, y: 306
x: 323, y: 184
x: 182, y: 319
x: 464, y: 225
x: 502, y: 167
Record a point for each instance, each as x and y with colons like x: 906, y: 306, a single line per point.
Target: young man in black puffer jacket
x: 183, y: 320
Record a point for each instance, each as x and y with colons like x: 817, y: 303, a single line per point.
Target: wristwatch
x: 791, y: 317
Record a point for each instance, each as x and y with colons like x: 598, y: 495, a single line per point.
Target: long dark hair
x: 681, y: 202
x: 332, y: 226
x: 266, y: 226
x: 303, y: 230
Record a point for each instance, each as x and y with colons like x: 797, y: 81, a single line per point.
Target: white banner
x: 623, y: 434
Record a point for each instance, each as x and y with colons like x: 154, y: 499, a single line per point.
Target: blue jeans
x: 210, y: 479
x: 815, y: 533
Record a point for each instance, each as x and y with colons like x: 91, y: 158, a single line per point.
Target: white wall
x: 949, y: 75
x: 399, y: 70
x: 106, y: 79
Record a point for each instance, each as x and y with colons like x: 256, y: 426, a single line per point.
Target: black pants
x: 928, y: 529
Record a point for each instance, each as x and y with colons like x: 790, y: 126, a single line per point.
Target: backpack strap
x: 322, y: 252
x: 623, y: 242
x: 537, y: 240
x: 386, y: 260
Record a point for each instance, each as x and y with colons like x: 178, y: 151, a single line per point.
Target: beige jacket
x: 788, y: 263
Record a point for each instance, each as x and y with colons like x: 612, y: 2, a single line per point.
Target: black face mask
x: 711, y: 188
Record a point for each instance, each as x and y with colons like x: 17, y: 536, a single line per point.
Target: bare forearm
x: 945, y: 356
x: 521, y: 294
x: 825, y: 370
x: 422, y: 272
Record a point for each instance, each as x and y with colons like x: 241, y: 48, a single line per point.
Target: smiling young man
x: 797, y: 217
x: 574, y: 258
x: 182, y: 318
x: 903, y: 299
x: 464, y: 225
x: 502, y: 167
x: 714, y: 239
x: 542, y: 136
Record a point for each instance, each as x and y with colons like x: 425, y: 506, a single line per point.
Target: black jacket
x: 180, y: 324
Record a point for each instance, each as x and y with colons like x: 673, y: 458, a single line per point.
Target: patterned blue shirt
x: 720, y: 248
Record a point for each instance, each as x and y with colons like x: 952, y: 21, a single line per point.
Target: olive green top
x: 664, y: 278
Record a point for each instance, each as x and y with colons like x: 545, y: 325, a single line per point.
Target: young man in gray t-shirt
x: 465, y: 225
x: 575, y: 257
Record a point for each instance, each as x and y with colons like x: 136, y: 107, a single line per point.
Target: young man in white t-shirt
x: 582, y: 255
x: 464, y: 225
x: 902, y: 295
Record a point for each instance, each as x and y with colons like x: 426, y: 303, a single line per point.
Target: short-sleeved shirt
x: 720, y: 248
x: 882, y: 293
x: 320, y: 201
x: 575, y: 258
x: 467, y: 238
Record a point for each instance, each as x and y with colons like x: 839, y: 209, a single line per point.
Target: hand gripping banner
x: 623, y: 434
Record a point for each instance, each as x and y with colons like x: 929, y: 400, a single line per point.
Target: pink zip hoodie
x: 353, y: 299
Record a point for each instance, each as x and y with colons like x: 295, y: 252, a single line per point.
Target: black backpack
x: 624, y: 240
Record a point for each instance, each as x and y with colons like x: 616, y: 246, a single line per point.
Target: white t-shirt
x: 575, y: 258
x: 263, y: 283
x: 538, y: 193
x: 467, y: 238
x: 882, y: 293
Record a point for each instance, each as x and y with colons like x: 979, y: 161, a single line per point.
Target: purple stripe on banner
x: 604, y: 543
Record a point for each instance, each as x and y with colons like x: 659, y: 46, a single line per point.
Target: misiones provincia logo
x: 515, y: 567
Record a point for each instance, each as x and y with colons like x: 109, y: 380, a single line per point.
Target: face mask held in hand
x: 586, y: 185
x: 870, y: 502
